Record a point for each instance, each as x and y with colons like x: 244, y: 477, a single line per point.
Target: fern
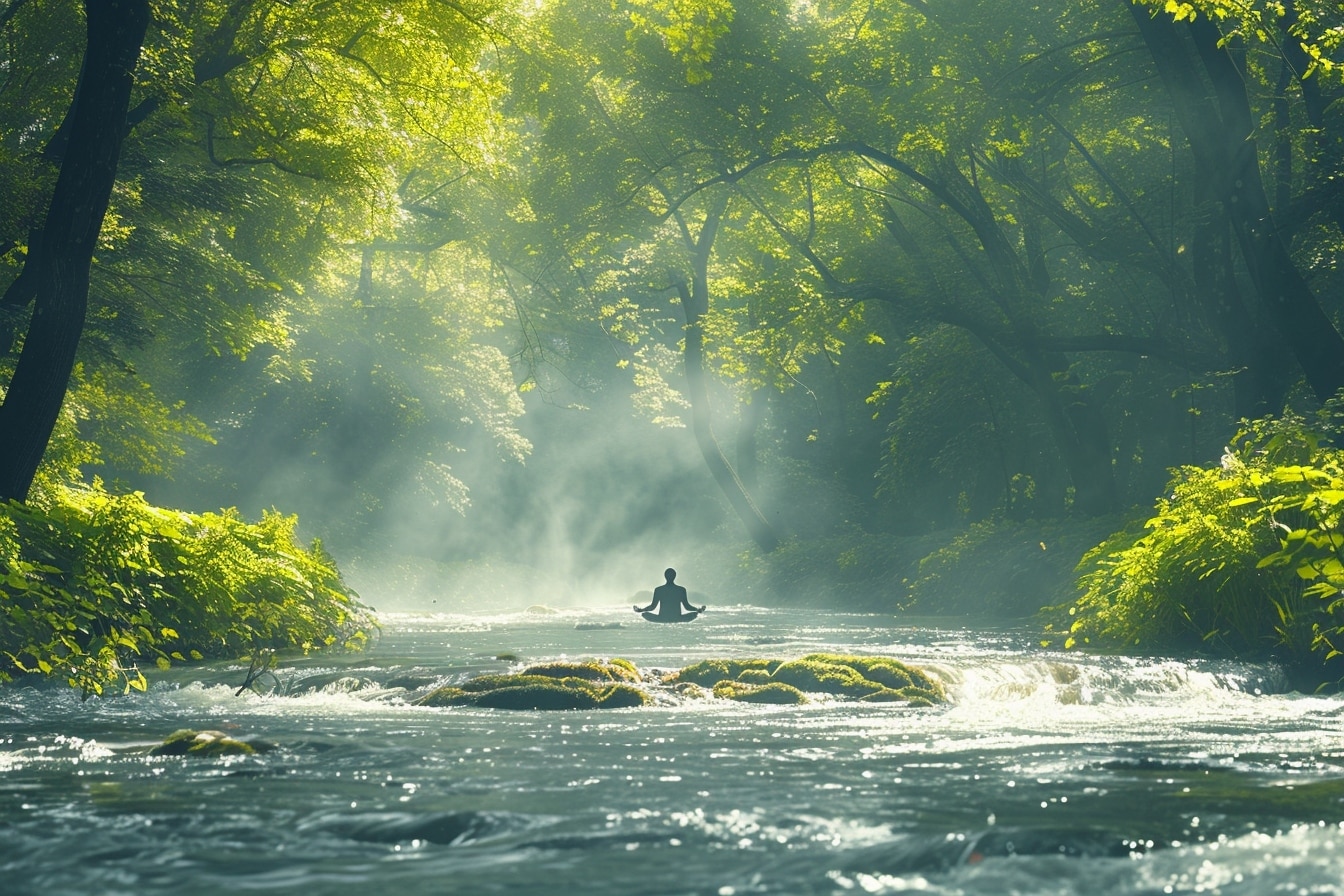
x: 94, y: 585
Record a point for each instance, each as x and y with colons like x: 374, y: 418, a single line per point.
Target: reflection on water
x: 1049, y: 773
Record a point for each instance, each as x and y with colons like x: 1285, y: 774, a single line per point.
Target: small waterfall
x: 1088, y: 680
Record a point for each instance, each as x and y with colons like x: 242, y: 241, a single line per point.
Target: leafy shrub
x: 92, y: 584
x: 1239, y: 560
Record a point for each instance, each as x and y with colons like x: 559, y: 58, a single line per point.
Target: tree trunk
x: 694, y: 306
x: 1219, y: 129
x: 1259, y: 360
x: 1071, y: 412
x: 60, y: 266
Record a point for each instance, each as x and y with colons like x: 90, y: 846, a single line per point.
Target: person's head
x: 669, y: 573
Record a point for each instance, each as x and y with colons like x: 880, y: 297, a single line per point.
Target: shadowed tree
x: 1208, y: 89
x: 95, y: 128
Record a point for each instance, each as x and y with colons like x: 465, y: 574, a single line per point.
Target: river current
x: 1048, y: 773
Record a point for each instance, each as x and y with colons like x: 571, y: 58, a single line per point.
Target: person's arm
x: 686, y: 602
x: 650, y: 607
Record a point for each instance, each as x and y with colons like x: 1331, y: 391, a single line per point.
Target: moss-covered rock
x: 589, y: 670
x: 872, y: 678
x: 610, y: 684
x: 559, y: 685
x: 911, y: 696
x: 492, y: 681
x: 550, y: 695
x: 445, y: 696
x: 620, y: 696
x: 710, y: 672
x: 819, y: 676
x: 189, y: 742
x: 887, y: 671
x: 775, y: 692
x: 690, y: 690
x: 632, y: 671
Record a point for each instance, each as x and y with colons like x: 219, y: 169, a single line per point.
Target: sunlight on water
x: 1048, y: 773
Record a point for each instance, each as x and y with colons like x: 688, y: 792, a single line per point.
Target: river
x: 1048, y: 773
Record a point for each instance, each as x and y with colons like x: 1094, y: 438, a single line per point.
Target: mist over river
x: 1047, y: 773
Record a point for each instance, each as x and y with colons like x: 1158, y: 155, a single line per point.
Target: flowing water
x: 1048, y: 773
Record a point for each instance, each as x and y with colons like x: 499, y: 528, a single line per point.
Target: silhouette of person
x: 670, y: 598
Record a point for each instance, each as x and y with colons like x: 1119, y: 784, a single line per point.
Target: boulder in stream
x: 615, y: 683
x: 190, y: 742
x: 873, y: 679
x: 592, y: 684
x: 775, y: 692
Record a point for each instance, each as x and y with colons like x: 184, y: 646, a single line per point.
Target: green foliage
x: 688, y: 28
x: 1243, y: 559
x: 269, y: 147
x: 859, y: 571
x: 1313, y: 25
x: 96, y: 584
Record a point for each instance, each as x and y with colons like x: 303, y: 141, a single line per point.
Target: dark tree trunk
x: 60, y: 266
x: 694, y: 306
x: 1072, y: 413
x: 1258, y: 358
x: 1218, y: 124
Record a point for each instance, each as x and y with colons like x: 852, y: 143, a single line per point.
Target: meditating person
x: 670, y: 598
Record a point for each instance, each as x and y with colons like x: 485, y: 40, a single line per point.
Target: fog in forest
x: 601, y: 505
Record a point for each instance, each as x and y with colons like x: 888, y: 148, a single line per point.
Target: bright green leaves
x: 1242, y: 559
x: 1179, y: 11
x: 622, y: 320
x: 690, y: 29
x: 127, y: 582
x: 268, y: 140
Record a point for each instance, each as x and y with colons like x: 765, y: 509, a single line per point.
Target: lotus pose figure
x: 670, y: 599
